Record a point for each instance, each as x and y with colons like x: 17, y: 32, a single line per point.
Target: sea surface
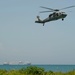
x: 55, y: 68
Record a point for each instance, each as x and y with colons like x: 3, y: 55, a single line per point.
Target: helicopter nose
x: 64, y: 15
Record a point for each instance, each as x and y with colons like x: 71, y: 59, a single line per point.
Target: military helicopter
x: 53, y: 16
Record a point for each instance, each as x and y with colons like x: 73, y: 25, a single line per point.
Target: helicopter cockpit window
x: 50, y: 15
x: 57, y: 14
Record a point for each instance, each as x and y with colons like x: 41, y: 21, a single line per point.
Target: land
x: 33, y: 70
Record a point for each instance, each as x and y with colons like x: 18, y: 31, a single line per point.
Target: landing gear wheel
x: 62, y: 19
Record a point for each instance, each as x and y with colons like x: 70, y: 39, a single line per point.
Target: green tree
x: 34, y: 70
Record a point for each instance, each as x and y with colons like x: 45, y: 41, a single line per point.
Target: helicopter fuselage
x: 52, y: 17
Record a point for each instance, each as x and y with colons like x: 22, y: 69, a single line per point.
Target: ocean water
x: 55, y: 68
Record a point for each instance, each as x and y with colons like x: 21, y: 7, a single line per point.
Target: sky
x: 21, y: 39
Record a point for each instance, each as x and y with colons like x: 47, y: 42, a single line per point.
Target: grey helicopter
x: 56, y: 15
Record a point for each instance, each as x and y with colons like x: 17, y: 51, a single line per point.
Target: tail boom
x: 39, y: 21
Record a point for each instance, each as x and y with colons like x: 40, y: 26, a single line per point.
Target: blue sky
x: 21, y: 39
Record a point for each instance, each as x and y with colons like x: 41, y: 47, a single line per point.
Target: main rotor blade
x: 52, y: 10
x: 47, y: 8
x: 67, y: 7
x: 45, y: 11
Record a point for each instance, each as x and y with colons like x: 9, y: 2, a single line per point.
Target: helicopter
x: 56, y: 15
